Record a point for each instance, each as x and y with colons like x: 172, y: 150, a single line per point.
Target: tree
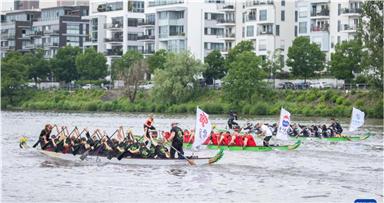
x: 275, y: 64
x: 305, y: 58
x: 346, y: 60
x: 215, y: 67
x: 371, y: 34
x: 14, y: 74
x: 64, y: 65
x: 241, y: 47
x: 244, y: 77
x: 125, y: 62
x: 157, y: 60
x: 177, y: 82
x: 91, y: 65
x: 133, y: 77
x: 38, y: 67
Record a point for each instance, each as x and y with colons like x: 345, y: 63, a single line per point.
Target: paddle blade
x: 83, y: 156
x: 191, y: 162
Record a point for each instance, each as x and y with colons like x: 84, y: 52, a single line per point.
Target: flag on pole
x: 203, y: 128
x: 357, y: 119
x: 285, y: 120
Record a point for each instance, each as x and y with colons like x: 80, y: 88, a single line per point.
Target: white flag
x: 357, y: 119
x: 203, y: 128
x: 285, y: 120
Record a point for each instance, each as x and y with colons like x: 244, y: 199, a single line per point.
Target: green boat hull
x: 254, y: 149
x: 336, y: 139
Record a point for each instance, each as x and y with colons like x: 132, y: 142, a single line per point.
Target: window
x: 132, y: 36
x: 243, y: 32
x: 262, y: 45
x: 303, y: 14
x: 282, y: 2
x: 296, y: 15
x: 206, y: 16
x: 136, y: 6
x: 132, y: 22
x: 295, y: 31
x: 73, y: 41
x: 252, y: 15
x: 263, y: 15
x: 338, y: 9
x: 302, y: 27
x: 282, y: 15
x: 73, y: 29
x: 250, y: 31
x: 278, y: 30
x: 134, y: 48
x: 338, y: 26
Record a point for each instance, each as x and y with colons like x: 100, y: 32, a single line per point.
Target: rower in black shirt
x: 177, y: 141
x: 44, y: 135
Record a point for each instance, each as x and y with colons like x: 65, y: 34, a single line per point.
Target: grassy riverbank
x: 308, y: 103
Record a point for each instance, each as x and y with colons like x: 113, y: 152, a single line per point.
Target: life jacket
x: 186, y: 136
x: 224, y: 139
x: 214, y: 138
x: 167, y: 135
x: 148, y: 122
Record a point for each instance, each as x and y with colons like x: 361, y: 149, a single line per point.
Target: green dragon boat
x: 255, y: 148
x: 336, y: 139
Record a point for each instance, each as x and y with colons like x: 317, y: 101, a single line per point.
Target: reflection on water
x: 318, y: 171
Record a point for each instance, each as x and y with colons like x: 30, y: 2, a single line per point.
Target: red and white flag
x: 203, y: 128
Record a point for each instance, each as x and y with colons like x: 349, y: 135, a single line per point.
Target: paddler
x: 265, y: 132
x: 336, y: 127
x: 148, y: 125
x: 177, y: 141
x: 44, y: 135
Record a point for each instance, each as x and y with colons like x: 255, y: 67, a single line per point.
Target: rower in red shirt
x: 148, y: 125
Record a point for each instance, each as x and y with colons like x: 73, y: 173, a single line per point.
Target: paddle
x: 68, y: 136
x: 74, y: 152
x: 130, y: 137
x: 85, y: 154
x: 191, y: 162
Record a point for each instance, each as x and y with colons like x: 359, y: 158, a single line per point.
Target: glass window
x: 132, y: 36
x: 132, y: 22
x: 136, y: 6
x: 282, y: 2
x: 73, y: 29
x: 302, y: 27
x: 250, y: 31
x: 263, y: 15
x: 303, y: 14
x: 278, y: 30
x: 282, y: 15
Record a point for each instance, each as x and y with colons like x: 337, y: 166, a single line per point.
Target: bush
x: 260, y: 109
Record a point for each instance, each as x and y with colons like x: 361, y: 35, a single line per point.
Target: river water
x: 318, y: 171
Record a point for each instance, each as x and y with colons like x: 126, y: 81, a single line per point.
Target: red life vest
x: 250, y: 142
x: 186, y: 137
x: 167, y: 135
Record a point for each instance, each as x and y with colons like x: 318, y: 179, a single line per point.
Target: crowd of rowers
x: 234, y: 135
x: 119, y: 144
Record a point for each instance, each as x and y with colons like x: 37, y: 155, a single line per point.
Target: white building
x: 114, y: 27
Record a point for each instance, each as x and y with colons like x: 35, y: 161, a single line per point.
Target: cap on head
x: 174, y: 124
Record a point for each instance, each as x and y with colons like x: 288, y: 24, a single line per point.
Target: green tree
x: 64, y: 65
x: 305, y: 58
x: 244, y: 77
x: 91, y: 65
x: 38, y: 67
x: 371, y: 34
x: 157, y: 60
x: 133, y: 77
x: 346, y: 60
x: 14, y: 73
x: 241, y: 47
x: 122, y: 64
x: 275, y: 64
x: 177, y: 82
x: 215, y: 67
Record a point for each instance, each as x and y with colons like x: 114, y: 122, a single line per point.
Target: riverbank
x: 307, y: 102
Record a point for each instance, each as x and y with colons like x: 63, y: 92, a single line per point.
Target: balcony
x: 165, y: 36
x: 226, y: 8
x: 349, y: 28
x: 163, y: 3
x: 351, y: 11
x: 324, y: 28
x: 53, y: 44
x: 145, y: 23
x: 322, y: 13
x: 35, y: 33
x: 227, y: 36
x: 257, y: 3
x: 113, y: 52
x: 226, y: 22
x: 146, y: 38
x: 268, y: 32
x: 113, y: 40
x: 112, y: 26
x: 51, y: 32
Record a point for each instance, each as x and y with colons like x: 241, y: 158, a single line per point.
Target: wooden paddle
x: 85, y: 154
x: 191, y: 162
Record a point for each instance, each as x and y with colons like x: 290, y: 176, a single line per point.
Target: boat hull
x: 335, y: 139
x: 255, y: 148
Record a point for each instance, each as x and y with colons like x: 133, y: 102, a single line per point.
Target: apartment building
x: 178, y: 25
x: 15, y: 26
x: 327, y: 22
x: 114, y: 27
x: 25, y: 4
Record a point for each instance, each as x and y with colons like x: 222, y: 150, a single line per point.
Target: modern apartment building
x: 15, y: 26
x: 48, y: 29
x: 327, y: 22
x: 114, y: 27
x: 26, y: 4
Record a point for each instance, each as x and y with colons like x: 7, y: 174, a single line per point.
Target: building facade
x: 26, y: 4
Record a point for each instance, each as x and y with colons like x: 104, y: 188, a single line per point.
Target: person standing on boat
x: 231, y: 119
x: 265, y: 132
x: 336, y: 127
x: 148, y: 125
x: 177, y: 141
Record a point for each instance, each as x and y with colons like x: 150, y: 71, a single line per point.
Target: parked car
x: 302, y: 85
x: 286, y: 85
x: 320, y: 85
x: 89, y: 86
